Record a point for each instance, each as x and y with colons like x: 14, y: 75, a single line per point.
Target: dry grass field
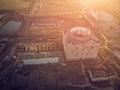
x: 14, y: 4
x: 111, y: 6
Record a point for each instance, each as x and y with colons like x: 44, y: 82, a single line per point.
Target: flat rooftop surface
x: 98, y: 73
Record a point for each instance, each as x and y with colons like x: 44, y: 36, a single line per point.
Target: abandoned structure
x: 80, y: 43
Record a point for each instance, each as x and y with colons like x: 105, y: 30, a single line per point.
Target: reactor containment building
x: 80, y: 43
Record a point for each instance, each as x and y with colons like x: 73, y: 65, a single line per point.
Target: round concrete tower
x: 80, y: 44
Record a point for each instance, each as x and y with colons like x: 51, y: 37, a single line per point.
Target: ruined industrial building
x: 80, y: 43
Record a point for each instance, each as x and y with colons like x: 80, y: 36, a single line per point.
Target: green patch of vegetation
x: 14, y: 4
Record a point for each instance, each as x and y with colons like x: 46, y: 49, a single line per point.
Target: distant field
x: 14, y: 4
x: 111, y: 6
x: 56, y: 8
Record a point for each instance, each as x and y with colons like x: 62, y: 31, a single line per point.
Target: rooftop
x: 98, y: 75
x: 79, y: 34
x: 80, y: 31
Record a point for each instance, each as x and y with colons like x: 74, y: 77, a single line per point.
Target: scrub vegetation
x: 14, y: 4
